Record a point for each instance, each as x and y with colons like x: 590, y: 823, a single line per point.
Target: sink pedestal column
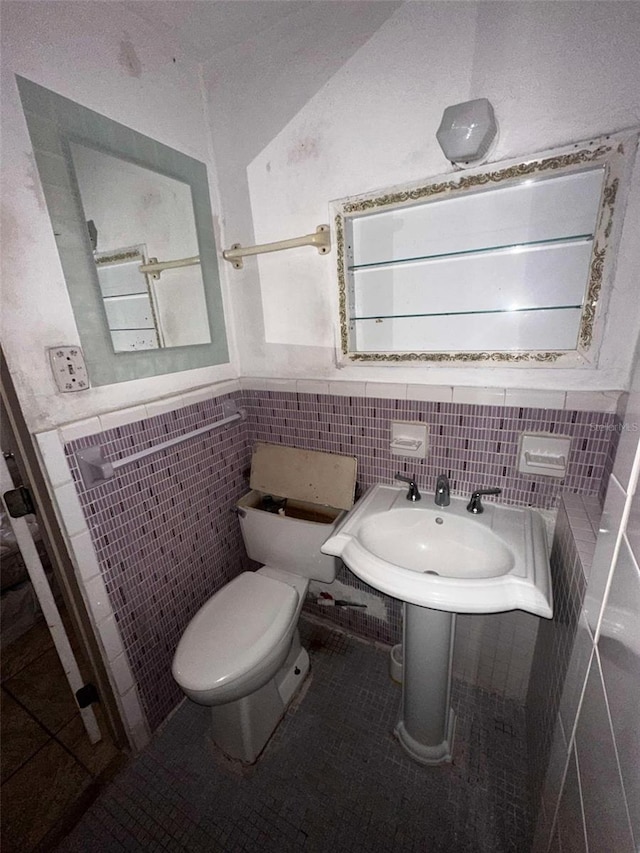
x: 427, y: 721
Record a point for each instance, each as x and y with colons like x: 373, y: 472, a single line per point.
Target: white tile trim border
x: 588, y: 401
x: 83, y: 555
x: 122, y: 417
x: 532, y: 398
x: 50, y: 445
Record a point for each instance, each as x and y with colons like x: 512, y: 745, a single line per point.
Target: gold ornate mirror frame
x: 614, y: 152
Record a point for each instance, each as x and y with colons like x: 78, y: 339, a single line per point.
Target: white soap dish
x: 409, y: 438
x: 544, y: 454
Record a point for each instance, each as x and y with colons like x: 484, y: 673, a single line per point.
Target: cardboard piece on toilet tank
x: 304, y: 475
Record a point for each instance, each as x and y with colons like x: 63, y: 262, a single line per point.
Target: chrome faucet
x: 475, y: 504
x: 413, y: 493
x: 442, y: 491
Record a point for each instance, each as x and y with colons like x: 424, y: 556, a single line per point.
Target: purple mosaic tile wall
x: 571, y: 556
x: 356, y: 620
x: 614, y: 429
x: 474, y: 445
x: 166, y: 538
x: 164, y: 534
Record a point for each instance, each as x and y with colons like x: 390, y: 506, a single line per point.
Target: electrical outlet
x: 69, y: 369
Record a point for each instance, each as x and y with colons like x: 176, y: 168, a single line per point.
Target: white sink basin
x: 445, y: 557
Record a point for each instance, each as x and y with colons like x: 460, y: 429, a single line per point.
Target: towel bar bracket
x: 155, y: 268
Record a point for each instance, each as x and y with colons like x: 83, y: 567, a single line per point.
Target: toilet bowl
x: 238, y: 640
x: 241, y: 653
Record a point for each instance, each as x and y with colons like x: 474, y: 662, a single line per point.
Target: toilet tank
x: 309, y: 491
x: 291, y: 541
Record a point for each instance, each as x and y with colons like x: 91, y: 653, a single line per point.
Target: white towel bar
x: 95, y: 469
x: 321, y: 239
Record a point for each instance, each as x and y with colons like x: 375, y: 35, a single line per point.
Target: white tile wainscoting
x: 506, y: 640
x: 590, y: 798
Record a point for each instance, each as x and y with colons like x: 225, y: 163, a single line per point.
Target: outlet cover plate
x: 69, y: 368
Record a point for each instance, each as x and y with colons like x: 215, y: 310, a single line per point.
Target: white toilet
x: 241, y: 652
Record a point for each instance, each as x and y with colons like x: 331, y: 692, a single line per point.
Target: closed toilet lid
x: 234, y: 631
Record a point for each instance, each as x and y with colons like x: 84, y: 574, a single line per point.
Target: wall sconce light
x: 467, y: 130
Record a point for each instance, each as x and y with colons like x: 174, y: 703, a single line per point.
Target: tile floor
x: 331, y: 779
x: 50, y: 772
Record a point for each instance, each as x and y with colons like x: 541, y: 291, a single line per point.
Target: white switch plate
x: 68, y: 368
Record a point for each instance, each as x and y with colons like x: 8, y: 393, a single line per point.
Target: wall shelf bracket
x: 321, y: 239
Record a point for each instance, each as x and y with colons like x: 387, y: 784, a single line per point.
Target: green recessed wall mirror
x: 119, y: 201
x: 509, y: 264
x: 137, y: 217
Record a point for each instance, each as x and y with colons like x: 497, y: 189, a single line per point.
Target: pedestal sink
x: 441, y: 561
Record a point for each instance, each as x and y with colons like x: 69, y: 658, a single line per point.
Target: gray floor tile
x: 333, y: 778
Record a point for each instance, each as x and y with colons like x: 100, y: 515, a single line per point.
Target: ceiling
x: 210, y: 27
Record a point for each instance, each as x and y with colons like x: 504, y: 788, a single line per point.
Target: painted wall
x: 296, y: 105
x: 136, y: 73
x: 591, y: 793
x: 555, y: 73
x: 261, y: 85
x: 310, y: 108
x: 143, y: 68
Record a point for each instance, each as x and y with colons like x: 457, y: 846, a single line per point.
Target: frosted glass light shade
x: 467, y: 130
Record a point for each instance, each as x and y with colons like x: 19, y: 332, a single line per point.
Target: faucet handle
x: 475, y: 504
x: 414, y: 493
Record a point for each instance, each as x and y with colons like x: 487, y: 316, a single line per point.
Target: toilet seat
x: 234, y: 633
